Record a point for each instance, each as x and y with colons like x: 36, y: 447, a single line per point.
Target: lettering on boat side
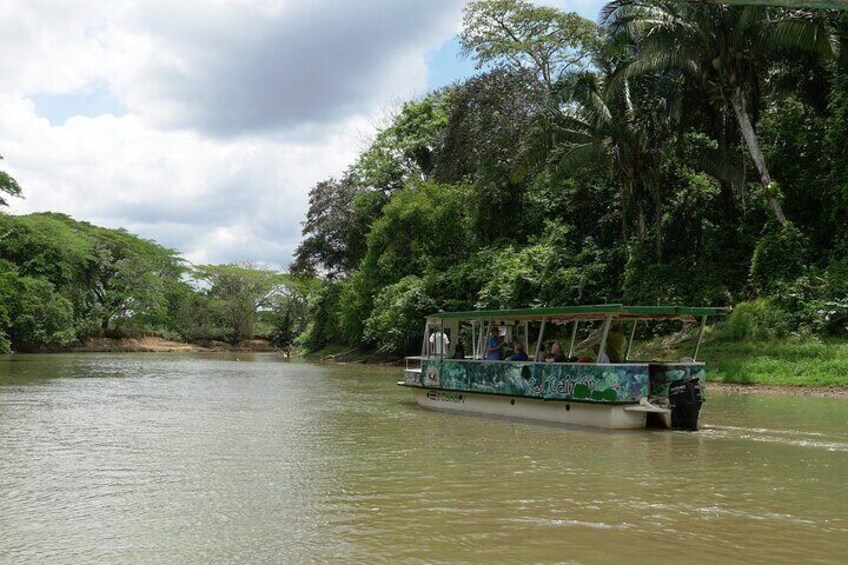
x: 440, y: 396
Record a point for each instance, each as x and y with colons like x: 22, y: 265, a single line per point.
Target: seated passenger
x: 518, y: 354
x: 493, y: 345
x: 616, y: 344
x: 540, y: 355
x: 556, y: 355
x: 459, y: 352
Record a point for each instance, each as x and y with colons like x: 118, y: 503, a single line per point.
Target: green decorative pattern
x: 588, y: 382
x: 662, y: 375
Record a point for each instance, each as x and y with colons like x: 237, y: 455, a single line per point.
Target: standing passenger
x: 493, y: 345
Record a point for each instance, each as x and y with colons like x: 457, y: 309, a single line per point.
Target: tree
x: 237, y: 292
x: 8, y: 185
x: 540, y: 40
x: 489, y: 118
x: 334, y: 242
x: 603, y: 126
x: 726, y: 47
x: 425, y: 226
x: 129, y: 278
x: 405, y: 150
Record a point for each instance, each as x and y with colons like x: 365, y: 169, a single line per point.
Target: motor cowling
x: 685, y: 398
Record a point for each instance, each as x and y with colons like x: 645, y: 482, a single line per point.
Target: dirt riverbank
x: 153, y: 344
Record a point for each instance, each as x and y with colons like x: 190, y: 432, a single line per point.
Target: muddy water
x: 209, y: 459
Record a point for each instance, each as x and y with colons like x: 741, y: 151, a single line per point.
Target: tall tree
x: 238, y: 291
x: 606, y: 126
x: 524, y: 37
x: 8, y: 185
x: 726, y: 47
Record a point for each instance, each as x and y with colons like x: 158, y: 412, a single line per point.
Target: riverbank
x: 155, y: 344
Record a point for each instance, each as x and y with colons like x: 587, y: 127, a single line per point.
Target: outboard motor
x: 685, y: 397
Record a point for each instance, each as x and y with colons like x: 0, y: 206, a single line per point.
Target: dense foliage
x: 679, y: 152
x: 63, y: 281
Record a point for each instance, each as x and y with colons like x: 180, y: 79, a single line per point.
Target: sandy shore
x: 152, y: 344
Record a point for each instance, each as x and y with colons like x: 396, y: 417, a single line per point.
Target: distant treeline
x: 679, y: 153
x: 62, y: 281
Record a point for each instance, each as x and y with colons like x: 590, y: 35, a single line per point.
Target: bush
x: 780, y: 257
x: 756, y: 320
x: 397, y: 320
x: 40, y: 316
x: 323, y: 328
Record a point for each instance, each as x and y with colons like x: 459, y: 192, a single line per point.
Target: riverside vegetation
x: 674, y: 153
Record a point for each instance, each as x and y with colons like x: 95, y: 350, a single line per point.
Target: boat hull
x: 596, y: 415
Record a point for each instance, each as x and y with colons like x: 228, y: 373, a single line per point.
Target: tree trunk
x: 739, y: 106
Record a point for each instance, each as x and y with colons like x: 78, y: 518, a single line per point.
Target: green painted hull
x: 617, y: 384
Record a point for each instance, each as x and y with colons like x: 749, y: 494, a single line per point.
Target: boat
x: 610, y: 391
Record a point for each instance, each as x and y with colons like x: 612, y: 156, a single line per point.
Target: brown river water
x: 224, y: 458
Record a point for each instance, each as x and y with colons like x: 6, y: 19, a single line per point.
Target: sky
x: 202, y: 124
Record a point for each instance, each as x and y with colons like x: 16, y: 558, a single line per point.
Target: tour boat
x: 621, y: 394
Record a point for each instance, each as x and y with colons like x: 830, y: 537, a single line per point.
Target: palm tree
x: 727, y: 48
x: 596, y: 125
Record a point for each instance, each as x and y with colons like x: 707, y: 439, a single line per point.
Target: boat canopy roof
x: 595, y: 312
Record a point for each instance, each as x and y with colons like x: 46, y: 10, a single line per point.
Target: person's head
x: 496, y: 331
x: 556, y: 348
x: 518, y: 347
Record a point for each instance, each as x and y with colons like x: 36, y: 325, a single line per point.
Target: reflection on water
x: 206, y: 458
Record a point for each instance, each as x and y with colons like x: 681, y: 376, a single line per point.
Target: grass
x: 790, y: 362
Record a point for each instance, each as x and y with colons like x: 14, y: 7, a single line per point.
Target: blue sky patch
x: 94, y: 101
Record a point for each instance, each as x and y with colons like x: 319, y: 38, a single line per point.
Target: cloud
x: 253, y: 69
x: 229, y: 111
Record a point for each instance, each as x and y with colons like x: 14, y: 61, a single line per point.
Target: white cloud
x: 234, y: 109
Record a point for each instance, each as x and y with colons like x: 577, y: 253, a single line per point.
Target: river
x: 251, y: 458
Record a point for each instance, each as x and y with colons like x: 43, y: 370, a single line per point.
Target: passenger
x: 540, y: 355
x: 518, y: 354
x: 556, y: 355
x: 459, y: 352
x: 616, y: 344
x: 439, y: 343
x: 493, y: 345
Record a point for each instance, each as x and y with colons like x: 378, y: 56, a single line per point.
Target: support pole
x: 424, y: 343
x: 700, y: 335
x: 539, y: 341
x: 442, y: 338
x: 603, y: 348
x: 484, y: 336
x: 630, y: 343
x: 526, y: 336
x: 573, y: 338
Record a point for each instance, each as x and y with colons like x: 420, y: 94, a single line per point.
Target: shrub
x: 780, y: 257
x: 755, y: 320
x: 397, y: 320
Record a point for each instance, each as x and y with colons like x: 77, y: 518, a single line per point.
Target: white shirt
x: 441, y: 342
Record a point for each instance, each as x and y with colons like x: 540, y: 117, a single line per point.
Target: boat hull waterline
x: 612, y: 417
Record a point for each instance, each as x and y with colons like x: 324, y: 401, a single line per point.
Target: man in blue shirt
x: 519, y: 354
x: 493, y: 345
